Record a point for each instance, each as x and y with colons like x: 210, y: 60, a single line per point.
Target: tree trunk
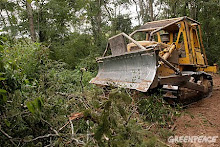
x: 96, y: 21
x: 99, y: 17
x: 3, y: 19
x: 31, y: 21
x: 151, y: 7
x: 10, y: 22
x: 185, y: 8
x: 142, y: 14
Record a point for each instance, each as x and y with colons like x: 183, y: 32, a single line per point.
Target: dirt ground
x: 201, y: 118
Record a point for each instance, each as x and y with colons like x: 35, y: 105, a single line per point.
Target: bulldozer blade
x: 133, y: 70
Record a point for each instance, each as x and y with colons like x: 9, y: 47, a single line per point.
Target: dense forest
x: 47, y: 58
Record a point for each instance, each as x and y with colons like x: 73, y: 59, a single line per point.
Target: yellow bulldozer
x: 166, y: 54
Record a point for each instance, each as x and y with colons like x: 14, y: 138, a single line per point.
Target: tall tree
x: 94, y: 12
x: 151, y: 9
x: 8, y: 18
x: 31, y: 20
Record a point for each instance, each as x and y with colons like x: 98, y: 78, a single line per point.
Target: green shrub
x: 74, y: 49
x: 155, y: 109
x: 42, y: 93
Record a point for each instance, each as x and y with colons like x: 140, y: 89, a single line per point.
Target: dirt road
x: 201, y: 118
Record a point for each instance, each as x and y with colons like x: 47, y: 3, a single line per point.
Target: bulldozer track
x: 187, y: 96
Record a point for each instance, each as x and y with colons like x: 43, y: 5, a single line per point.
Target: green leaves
x: 8, y: 124
x: 35, y: 106
x: 122, y: 112
x: 120, y: 95
x: 155, y: 109
x: 2, y: 91
x: 3, y: 97
x: 114, y: 127
x: 29, y: 1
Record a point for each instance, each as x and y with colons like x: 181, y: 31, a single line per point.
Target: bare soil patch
x: 201, y: 118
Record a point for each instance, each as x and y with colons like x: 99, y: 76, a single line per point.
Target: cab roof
x: 169, y: 24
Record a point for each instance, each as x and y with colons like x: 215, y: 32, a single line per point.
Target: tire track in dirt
x: 201, y: 118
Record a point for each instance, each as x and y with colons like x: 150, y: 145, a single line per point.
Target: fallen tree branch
x: 134, y: 109
x: 64, y: 126
x: 81, y: 99
x: 72, y: 129
x: 72, y: 116
x: 163, y: 143
x: 3, y: 132
x: 76, y: 140
x: 41, y: 137
x: 150, y: 126
x: 8, y: 136
x: 45, y: 136
x: 55, y: 131
x: 173, y: 127
x: 76, y: 115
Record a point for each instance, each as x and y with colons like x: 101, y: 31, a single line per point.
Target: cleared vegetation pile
x: 45, y: 103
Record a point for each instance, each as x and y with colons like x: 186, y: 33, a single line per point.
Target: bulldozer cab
x: 184, y: 32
